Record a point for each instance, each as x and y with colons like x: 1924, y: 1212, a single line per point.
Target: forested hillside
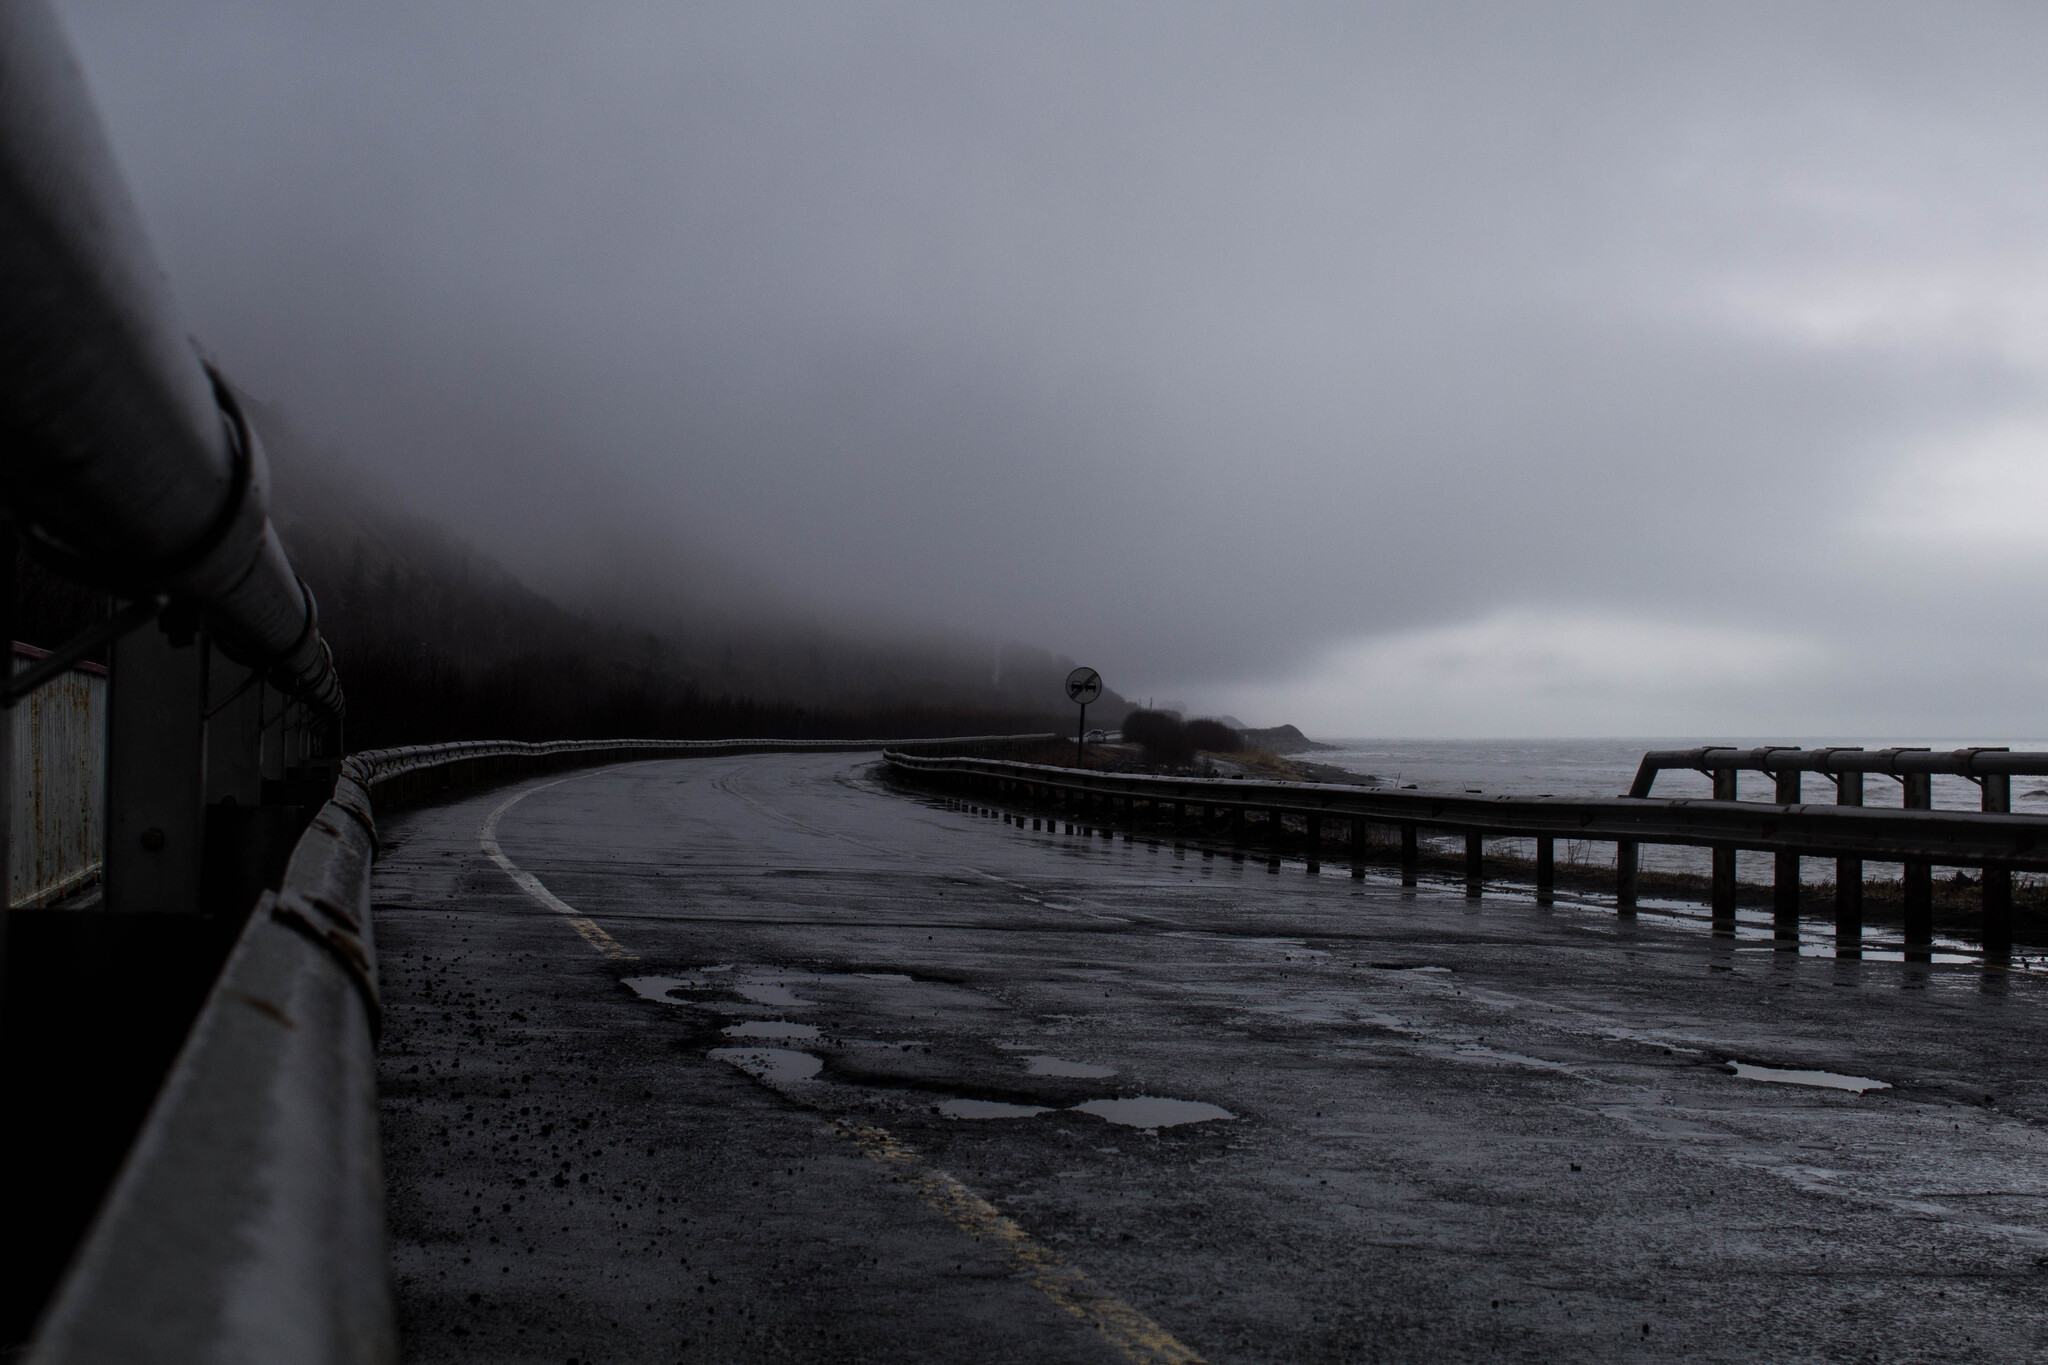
x: 436, y: 641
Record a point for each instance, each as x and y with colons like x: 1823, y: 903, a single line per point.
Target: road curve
x: 757, y: 1058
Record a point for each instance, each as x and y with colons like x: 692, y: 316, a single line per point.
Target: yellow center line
x: 1141, y: 1340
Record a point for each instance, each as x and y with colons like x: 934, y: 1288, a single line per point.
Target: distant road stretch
x: 754, y: 1058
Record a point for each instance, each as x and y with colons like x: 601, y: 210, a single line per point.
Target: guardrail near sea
x: 1846, y: 830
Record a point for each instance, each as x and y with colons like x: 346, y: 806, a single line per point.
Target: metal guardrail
x: 1952, y: 838
x: 1997, y: 841
x: 403, y: 774
x: 248, y: 1221
x: 129, y: 461
x: 1992, y: 769
x: 130, y: 465
x: 1975, y: 764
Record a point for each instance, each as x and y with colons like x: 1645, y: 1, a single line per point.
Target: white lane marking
x: 487, y: 840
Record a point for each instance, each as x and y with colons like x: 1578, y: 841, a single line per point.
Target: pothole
x: 762, y: 993
x: 657, y: 988
x: 878, y: 1068
x: 771, y: 1028
x: 1058, y: 1066
x: 988, y: 1109
x: 1826, y: 1080
x: 1152, y: 1111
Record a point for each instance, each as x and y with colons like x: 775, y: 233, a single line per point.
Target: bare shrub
x: 1161, y: 735
x: 1213, y: 737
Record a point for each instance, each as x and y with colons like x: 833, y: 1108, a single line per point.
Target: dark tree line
x: 423, y: 660
x: 429, y: 656
x: 434, y: 641
x: 1169, y: 741
x: 411, y: 695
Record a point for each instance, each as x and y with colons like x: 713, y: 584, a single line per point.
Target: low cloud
x: 1972, y: 500
x: 1523, y: 673
x: 1243, y: 350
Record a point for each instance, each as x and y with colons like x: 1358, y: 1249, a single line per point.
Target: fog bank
x: 1403, y: 369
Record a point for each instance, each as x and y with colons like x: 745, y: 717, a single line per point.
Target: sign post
x: 1083, y: 686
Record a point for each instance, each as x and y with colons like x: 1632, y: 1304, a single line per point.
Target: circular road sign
x: 1083, y: 686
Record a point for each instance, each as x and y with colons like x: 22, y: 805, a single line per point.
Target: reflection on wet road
x: 754, y: 1058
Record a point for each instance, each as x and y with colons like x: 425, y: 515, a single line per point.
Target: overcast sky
x: 1391, y: 369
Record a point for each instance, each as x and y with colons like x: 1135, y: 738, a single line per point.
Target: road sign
x: 1083, y: 686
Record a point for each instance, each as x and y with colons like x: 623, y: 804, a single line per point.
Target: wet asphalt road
x: 1457, y: 1132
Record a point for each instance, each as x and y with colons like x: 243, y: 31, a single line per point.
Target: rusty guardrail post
x: 1997, y: 926
x: 1785, y: 871
x: 1849, y: 877
x: 1918, y: 880
x: 1627, y: 875
x: 1475, y: 867
x: 1723, y: 888
x: 1546, y: 870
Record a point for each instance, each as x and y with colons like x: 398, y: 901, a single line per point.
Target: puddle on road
x: 1827, y: 1080
x: 988, y: 1109
x: 657, y: 988
x: 770, y: 1028
x: 779, y: 996
x: 780, y: 1067
x: 1056, y: 1066
x: 1150, y: 1111
x: 770, y: 994
x: 773, y: 1065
